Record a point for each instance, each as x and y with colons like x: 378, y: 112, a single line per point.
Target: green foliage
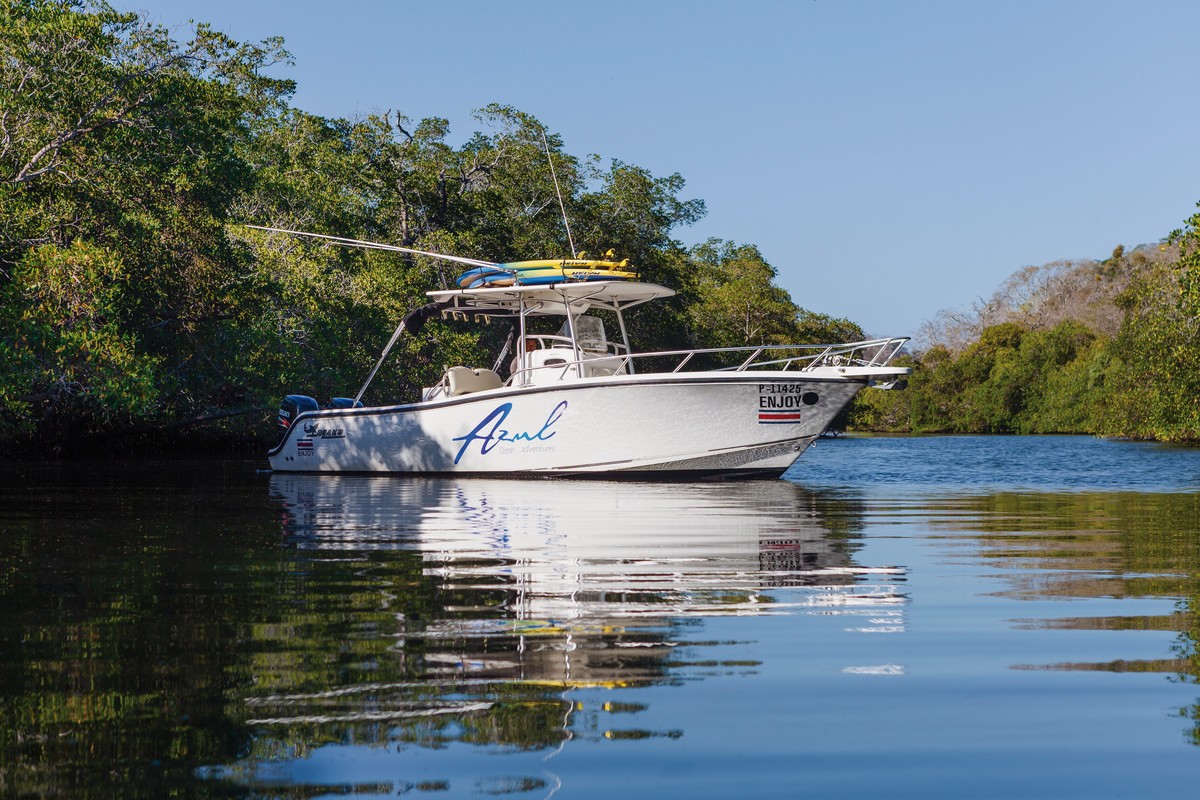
x: 1154, y: 377
x: 1012, y: 380
x: 69, y: 364
x: 1046, y: 369
x: 1068, y: 396
x: 733, y: 301
x: 117, y: 139
x: 1188, y: 266
x: 134, y: 299
x: 736, y: 300
x: 884, y: 410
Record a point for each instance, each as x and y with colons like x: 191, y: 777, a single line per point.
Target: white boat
x: 584, y: 403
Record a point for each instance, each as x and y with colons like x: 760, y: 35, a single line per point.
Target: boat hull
x: 695, y: 424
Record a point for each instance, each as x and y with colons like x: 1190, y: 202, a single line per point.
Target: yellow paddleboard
x: 566, y: 263
x: 545, y: 271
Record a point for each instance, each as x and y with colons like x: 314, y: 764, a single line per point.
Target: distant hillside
x: 1079, y: 346
x: 1040, y: 297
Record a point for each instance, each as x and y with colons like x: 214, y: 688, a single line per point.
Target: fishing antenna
x: 558, y: 191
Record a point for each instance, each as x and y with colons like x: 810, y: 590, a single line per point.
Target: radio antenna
x: 558, y: 191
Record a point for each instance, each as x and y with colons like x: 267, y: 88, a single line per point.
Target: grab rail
x: 869, y: 353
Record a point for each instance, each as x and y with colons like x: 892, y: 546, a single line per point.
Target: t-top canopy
x: 551, y: 300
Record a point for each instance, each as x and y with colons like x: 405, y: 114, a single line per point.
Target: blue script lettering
x: 489, y: 433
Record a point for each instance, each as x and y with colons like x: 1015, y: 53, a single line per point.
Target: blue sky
x: 890, y: 159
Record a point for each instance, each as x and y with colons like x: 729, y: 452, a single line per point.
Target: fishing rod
x: 347, y: 242
x: 413, y: 320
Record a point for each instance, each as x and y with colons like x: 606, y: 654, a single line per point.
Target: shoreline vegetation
x: 137, y: 313
x: 1107, y: 348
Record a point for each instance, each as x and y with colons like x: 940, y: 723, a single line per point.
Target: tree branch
x: 84, y: 124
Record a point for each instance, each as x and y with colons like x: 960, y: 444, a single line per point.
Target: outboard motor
x: 293, y: 405
x: 345, y: 402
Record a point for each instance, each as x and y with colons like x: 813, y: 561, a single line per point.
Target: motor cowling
x: 293, y: 406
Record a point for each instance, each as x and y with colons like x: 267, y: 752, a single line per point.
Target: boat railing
x: 799, y: 357
x: 868, y: 353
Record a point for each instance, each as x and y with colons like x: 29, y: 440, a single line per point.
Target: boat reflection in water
x: 480, y: 610
x: 601, y: 561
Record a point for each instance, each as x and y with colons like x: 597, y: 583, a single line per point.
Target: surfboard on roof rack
x: 544, y: 272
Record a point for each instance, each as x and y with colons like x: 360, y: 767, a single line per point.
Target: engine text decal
x: 317, y: 432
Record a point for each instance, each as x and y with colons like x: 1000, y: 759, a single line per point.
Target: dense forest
x: 136, y: 306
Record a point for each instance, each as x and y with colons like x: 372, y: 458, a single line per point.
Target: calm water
x: 906, y: 617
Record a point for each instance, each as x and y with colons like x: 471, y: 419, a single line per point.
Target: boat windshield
x: 589, y: 333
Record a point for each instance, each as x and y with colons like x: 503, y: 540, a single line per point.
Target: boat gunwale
x: 575, y: 384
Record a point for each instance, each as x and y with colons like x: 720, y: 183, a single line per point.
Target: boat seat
x: 464, y: 380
